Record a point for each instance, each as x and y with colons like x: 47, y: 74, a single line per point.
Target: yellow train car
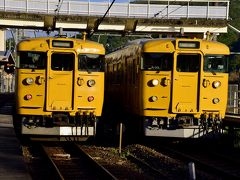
x: 59, y: 86
x: 171, y: 87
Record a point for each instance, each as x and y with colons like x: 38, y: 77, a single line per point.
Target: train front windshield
x: 215, y: 63
x: 90, y: 62
x: 157, y: 61
x: 32, y: 60
x: 188, y: 62
x: 62, y: 61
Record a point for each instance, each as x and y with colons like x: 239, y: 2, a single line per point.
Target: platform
x: 232, y: 120
x: 12, y: 164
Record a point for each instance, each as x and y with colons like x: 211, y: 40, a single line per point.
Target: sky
x: 35, y: 33
x: 117, y: 1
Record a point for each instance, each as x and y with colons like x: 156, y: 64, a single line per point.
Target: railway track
x: 77, y: 161
x: 71, y: 162
x: 223, y: 165
x: 144, y: 165
x: 6, y: 103
x: 119, y: 166
x: 212, y: 163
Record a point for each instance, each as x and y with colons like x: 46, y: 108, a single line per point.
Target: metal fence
x: 165, y: 9
x: 233, y: 99
x: 7, y: 83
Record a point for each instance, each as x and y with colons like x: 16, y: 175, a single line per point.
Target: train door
x: 185, y: 89
x: 60, y: 81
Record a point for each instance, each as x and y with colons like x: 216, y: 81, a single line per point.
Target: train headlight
x: 216, y: 84
x: 28, y: 97
x: 216, y: 100
x: 90, y: 98
x: 153, y: 98
x: 155, y: 82
x: 91, y: 82
x: 29, y: 81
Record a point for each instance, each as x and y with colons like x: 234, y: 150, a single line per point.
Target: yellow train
x: 171, y: 87
x: 59, y: 86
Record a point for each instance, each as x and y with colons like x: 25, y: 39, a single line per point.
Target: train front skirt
x: 59, y: 131
x: 189, y: 132
x: 182, y: 127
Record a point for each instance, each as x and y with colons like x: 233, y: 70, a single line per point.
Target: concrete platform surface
x: 6, y: 120
x: 12, y: 164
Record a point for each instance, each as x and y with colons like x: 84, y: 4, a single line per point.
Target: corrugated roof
x: 6, y: 56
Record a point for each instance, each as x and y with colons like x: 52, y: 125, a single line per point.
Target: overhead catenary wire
x: 155, y: 15
x: 57, y: 11
x: 59, y: 5
x: 233, y: 28
x: 100, y: 20
x: 167, y: 6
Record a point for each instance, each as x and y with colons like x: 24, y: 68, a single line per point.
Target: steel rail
x: 99, y: 167
x: 53, y: 163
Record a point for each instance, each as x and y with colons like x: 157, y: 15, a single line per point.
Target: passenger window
x: 157, y: 61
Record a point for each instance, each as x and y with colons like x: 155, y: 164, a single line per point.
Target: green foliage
x: 233, y: 41
x: 232, y: 37
x: 109, y: 42
x: 228, y: 38
x: 112, y: 42
x: 10, y: 44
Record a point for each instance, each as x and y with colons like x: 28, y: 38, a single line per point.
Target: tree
x: 10, y: 44
x: 232, y: 37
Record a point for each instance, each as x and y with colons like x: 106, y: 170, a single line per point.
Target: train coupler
x: 87, y: 121
x: 211, y: 122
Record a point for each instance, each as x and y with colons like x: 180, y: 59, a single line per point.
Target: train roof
x: 43, y: 44
x: 166, y: 45
x: 138, y: 41
x: 6, y: 57
x: 169, y: 45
